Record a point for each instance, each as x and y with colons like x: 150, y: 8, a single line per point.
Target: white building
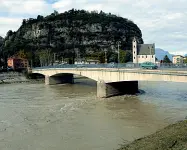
x: 178, y: 59
x: 143, y: 52
x: 89, y: 61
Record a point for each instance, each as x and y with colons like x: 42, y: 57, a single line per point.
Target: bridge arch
x: 55, y: 73
x: 72, y: 74
x: 36, y: 76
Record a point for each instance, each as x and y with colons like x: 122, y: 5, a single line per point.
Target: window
x: 134, y: 57
x: 134, y: 52
x: 146, y: 56
x: 142, y: 57
x: 134, y: 46
x: 138, y: 56
x: 152, y: 56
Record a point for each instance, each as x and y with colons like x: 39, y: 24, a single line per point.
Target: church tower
x: 134, y: 50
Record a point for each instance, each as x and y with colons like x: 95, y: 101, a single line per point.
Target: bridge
x: 111, y: 81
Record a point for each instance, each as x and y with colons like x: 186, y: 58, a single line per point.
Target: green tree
x: 122, y: 56
x: 185, y: 60
x: 40, y: 18
x: 128, y: 56
x: 113, y: 57
x: 44, y: 56
x: 101, y: 57
x: 166, y: 59
x: 56, y: 12
x: 125, y: 56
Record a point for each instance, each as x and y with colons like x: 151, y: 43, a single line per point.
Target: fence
x: 114, y: 65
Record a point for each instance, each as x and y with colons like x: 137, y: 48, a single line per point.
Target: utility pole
x: 118, y: 51
x: 78, y: 56
x: 105, y: 56
x: 54, y: 57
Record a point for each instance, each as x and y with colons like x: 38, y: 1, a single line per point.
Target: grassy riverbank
x: 173, y: 137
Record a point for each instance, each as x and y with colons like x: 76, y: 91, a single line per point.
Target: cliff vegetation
x: 72, y: 34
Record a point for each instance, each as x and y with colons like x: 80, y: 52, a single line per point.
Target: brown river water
x: 71, y: 117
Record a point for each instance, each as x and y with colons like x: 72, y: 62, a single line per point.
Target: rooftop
x: 178, y: 55
x: 146, y: 49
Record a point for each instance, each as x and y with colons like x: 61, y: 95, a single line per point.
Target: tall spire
x: 134, y: 39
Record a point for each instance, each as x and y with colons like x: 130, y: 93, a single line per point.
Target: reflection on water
x: 69, y: 117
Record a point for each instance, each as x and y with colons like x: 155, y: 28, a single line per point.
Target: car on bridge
x: 148, y: 65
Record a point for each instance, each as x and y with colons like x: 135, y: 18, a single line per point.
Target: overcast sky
x: 163, y: 22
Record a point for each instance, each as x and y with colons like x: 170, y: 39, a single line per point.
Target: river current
x: 71, y: 117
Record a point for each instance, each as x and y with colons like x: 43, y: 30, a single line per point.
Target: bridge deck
x: 137, y: 70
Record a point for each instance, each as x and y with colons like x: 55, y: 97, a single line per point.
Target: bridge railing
x: 120, y: 65
x: 115, y: 65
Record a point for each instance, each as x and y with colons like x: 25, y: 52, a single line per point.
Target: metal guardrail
x: 164, y: 69
x: 110, y: 65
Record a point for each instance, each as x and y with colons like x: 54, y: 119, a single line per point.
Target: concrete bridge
x: 111, y: 81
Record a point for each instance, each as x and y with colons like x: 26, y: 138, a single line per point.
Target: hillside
x: 71, y: 32
x: 173, y: 137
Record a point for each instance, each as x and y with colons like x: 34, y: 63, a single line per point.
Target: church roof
x: 146, y: 49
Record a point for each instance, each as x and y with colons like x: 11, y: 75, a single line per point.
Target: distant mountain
x: 160, y: 54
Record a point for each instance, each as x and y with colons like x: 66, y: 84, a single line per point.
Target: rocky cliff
x: 67, y: 32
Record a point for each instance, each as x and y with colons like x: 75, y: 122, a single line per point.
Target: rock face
x: 75, y: 29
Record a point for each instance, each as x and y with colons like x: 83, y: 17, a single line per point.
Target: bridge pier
x: 105, y: 90
x: 61, y: 79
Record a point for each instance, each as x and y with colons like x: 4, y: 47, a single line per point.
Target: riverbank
x: 172, y: 137
x: 14, y: 77
x: 26, y: 81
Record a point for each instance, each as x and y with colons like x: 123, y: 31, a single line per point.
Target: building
x: 89, y: 61
x: 143, y: 52
x: 17, y: 63
x: 178, y: 59
x: 92, y: 61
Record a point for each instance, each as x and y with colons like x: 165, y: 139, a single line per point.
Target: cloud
x: 161, y: 22
x: 20, y: 7
x: 7, y: 24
